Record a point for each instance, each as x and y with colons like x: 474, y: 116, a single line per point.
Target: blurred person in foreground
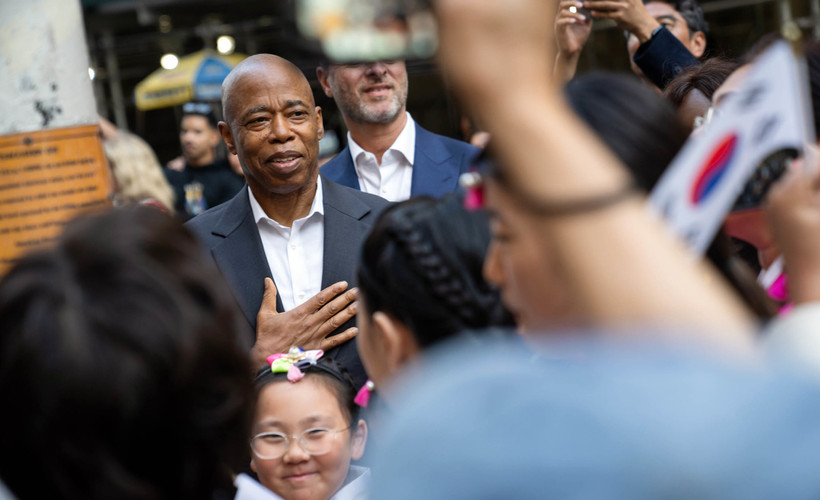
x: 646, y: 139
x: 287, y: 244
x: 575, y: 223
x: 614, y: 419
x: 122, y: 356
x: 609, y: 421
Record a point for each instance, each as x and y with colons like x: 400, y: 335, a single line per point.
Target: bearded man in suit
x: 387, y: 153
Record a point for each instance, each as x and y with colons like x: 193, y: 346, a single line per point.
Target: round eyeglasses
x: 315, y: 441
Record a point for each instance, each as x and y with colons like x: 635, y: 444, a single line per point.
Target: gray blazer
x: 230, y: 234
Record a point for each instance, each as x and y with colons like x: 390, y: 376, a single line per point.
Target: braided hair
x: 422, y: 263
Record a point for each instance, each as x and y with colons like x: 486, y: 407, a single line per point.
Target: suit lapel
x: 241, y: 257
x: 432, y: 174
x: 343, y: 233
x: 342, y: 169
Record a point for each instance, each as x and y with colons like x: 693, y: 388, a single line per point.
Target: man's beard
x: 360, y: 111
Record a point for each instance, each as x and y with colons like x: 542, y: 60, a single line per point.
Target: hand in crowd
x: 307, y: 325
x: 629, y: 15
x: 572, y: 29
x: 793, y: 209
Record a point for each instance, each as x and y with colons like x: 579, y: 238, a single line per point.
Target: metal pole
x: 785, y: 9
x: 114, y: 84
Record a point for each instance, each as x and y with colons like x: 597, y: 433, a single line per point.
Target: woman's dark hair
x: 326, y: 371
x: 706, y: 78
x: 121, y: 365
x: 644, y: 132
x: 646, y: 138
x: 422, y: 263
x: 638, y: 125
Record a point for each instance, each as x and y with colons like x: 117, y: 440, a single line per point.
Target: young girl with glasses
x: 306, y: 429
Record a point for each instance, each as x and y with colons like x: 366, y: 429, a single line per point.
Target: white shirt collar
x: 405, y: 143
x: 317, y: 207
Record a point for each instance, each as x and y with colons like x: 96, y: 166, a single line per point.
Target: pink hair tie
x: 473, y: 186
x: 363, y: 397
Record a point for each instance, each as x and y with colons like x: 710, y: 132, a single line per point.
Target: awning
x: 197, y: 77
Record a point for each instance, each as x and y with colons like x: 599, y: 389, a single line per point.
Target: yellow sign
x: 47, y: 178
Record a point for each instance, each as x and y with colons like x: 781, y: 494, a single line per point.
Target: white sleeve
x: 794, y: 338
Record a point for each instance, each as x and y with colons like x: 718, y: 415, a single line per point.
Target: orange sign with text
x: 47, y: 178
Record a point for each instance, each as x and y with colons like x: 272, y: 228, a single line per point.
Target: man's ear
x: 358, y: 440
x: 253, y: 465
x: 322, y: 75
x: 697, y: 44
x: 227, y: 136
x: 399, y: 344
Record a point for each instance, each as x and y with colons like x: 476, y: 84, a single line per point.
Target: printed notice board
x: 47, y: 178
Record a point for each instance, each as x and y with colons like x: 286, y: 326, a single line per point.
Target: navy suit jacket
x: 230, y: 234
x: 663, y: 57
x: 438, y: 162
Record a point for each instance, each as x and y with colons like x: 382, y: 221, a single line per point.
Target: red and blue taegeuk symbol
x: 713, y: 169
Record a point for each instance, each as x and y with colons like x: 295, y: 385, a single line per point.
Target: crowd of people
x: 421, y: 318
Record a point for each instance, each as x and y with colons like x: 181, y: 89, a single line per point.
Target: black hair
x: 689, y: 10
x: 328, y: 372
x: 638, y: 125
x: 122, y: 365
x: 705, y: 78
x: 422, y: 262
x: 203, y: 109
x: 646, y: 138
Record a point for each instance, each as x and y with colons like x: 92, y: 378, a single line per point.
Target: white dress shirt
x: 390, y: 180
x: 295, y: 254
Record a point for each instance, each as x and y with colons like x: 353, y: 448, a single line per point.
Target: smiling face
x: 368, y: 92
x: 273, y: 126
x: 292, y: 408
